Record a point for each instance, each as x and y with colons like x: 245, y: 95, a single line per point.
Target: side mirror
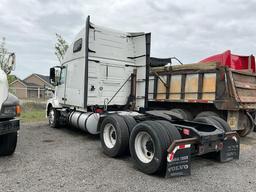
x: 54, y: 75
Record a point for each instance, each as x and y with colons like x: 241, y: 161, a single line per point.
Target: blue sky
x: 190, y: 30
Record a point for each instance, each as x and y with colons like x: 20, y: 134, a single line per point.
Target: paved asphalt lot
x: 66, y: 160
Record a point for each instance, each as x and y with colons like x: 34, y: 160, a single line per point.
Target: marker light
x: 186, y: 131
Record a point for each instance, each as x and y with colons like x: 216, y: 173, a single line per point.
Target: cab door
x: 75, y: 73
x: 61, y: 88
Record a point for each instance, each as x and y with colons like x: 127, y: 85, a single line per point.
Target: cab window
x: 77, y: 46
x: 63, y: 75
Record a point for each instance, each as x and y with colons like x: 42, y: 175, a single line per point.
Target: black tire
x: 246, y: 123
x: 185, y: 114
x: 244, y: 132
x: 8, y: 143
x: 120, y: 135
x: 210, y: 121
x: 54, y: 118
x: 161, y: 142
x: 207, y: 114
x: 225, y: 126
x: 173, y: 132
x: 130, y: 122
x: 248, y: 127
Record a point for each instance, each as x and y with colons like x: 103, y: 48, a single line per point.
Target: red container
x: 237, y: 62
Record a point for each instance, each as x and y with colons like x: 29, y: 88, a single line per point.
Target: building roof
x: 19, y: 80
x: 25, y: 83
x: 44, y: 77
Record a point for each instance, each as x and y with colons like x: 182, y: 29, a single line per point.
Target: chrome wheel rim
x: 109, y: 135
x: 51, y: 117
x: 144, y: 147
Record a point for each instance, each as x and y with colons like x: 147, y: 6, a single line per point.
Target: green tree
x: 60, y: 47
x: 7, y: 59
x: 11, y: 78
x: 3, y: 54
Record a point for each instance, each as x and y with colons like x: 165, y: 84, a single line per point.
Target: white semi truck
x: 9, y: 110
x: 102, y: 88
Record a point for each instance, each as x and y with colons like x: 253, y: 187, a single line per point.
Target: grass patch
x: 32, y: 112
x: 33, y: 116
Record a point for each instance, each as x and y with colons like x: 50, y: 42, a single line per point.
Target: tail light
x: 98, y: 110
x: 186, y: 131
x: 219, y: 146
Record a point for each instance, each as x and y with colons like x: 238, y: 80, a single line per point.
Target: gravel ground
x: 66, y: 160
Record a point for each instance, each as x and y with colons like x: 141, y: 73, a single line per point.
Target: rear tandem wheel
x: 149, y: 142
x: 114, y: 136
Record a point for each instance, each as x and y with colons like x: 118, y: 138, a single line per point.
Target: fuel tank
x: 86, y: 121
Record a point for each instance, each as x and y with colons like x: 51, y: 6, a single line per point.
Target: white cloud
x: 190, y: 30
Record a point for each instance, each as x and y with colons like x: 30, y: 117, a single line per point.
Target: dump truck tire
x: 114, y: 136
x: 246, y: 123
x: 8, y: 143
x: 210, y: 121
x: 224, y: 124
x: 245, y: 132
x: 149, y: 142
x: 207, y: 114
x: 185, y: 114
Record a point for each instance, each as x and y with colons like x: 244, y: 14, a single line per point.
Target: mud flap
x: 179, y: 161
x: 231, y: 148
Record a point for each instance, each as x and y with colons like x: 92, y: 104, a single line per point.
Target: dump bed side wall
x: 187, y: 85
x: 226, y: 88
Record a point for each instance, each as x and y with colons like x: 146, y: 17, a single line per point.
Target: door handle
x: 64, y: 99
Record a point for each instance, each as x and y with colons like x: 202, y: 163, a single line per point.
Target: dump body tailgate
x: 243, y: 86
